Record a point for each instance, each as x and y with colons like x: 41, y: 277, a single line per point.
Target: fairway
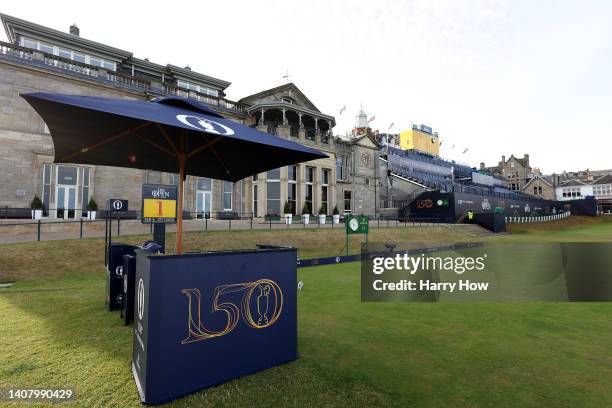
x: 56, y: 333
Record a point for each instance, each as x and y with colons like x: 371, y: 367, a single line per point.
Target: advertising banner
x: 202, y: 319
x: 449, y: 207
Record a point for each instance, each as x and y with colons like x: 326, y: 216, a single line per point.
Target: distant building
x: 602, y: 191
x: 515, y: 171
x: 586, y: 176
x: 572, y: 190
x: 600, y: 188
x: 539, y: 186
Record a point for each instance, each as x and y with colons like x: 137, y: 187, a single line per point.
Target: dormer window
x: 65, y: 53
x: 29, y: 43
x: 79, y: 57
x: 512, y: 164
x: 198, y: 88
x: 68, y: 54
x: 46, y: 48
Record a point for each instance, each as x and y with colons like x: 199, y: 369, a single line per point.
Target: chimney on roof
x: 482, y: 166
x: 187, y: 67
x: 526, y: 158
x: 503, y: 159
x: 74, y: 30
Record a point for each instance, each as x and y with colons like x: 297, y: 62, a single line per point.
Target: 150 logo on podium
x: 260, y: 304
x: 159, y: 203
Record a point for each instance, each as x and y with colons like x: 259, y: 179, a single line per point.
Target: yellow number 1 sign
x: 159, y: 203
x: 154, y: 208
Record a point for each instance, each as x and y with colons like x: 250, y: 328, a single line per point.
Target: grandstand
x: 427, y: 172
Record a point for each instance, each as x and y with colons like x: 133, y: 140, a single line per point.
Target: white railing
x: 542, y: 218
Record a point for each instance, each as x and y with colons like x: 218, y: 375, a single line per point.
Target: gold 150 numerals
x: 261, y: 306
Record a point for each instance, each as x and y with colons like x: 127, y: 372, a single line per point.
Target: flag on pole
x: 372, y: 118
x: 342, y: 110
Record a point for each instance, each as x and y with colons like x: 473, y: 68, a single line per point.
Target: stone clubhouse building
x: 41, y: 59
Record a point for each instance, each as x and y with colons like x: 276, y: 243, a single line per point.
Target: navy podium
x: 204, y: 318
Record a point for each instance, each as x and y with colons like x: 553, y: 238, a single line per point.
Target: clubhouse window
x: 292, y: 187
x: 67, y: 175
x: 273, y: 192
x: 347, y: 200
x: 309, y: 179
x: 85, y: 193
x: 342, y: 168
x: 198, y: 88
x: 324, y: 189
x: 227, y: 195
x: 46, y: 199
x: 255, y: 201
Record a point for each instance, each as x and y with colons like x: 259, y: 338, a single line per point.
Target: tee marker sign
x: 159, y: 203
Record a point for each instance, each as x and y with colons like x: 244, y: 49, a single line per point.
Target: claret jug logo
x: 207, y: 125
x: 141, y: 299
x: 260, y: 306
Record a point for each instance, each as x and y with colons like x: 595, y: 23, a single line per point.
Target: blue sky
x: 509, y: 77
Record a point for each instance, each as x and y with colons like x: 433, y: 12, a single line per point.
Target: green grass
x: 351, y: 353
x: 585, y: 229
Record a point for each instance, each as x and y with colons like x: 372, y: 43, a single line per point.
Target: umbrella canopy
x: 169, y: 134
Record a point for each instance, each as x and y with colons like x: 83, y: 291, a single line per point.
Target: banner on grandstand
x: 450, y: 207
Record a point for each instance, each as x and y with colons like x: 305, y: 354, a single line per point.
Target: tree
x: 92, y: 205
x: 36, y: 203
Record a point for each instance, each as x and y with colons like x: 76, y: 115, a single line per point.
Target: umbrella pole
x: 179, y: 223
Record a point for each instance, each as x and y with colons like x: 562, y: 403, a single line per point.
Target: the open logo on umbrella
x: 207, y: 125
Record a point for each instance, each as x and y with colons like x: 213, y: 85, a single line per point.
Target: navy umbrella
x: 169, y: 134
